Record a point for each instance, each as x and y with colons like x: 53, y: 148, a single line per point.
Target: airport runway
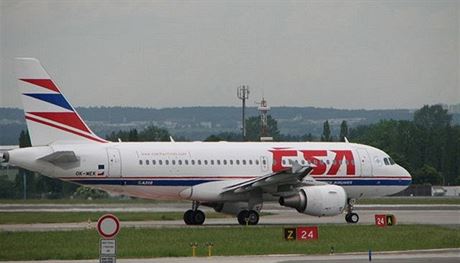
x: 436, y: 255
x: 447, y: 215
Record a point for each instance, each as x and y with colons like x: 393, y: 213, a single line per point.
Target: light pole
x: 243, y: 95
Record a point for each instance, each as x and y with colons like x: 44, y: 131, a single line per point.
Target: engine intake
x: 321, y: 200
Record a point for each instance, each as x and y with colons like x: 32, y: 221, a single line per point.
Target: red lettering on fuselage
x: 316, y: 157
x: 310, y: 156
x: 338, y: 161
x: 278, y: 155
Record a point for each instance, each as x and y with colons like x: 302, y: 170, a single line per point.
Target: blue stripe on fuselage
x: 179, y: 182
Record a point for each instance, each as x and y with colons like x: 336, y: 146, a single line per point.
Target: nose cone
x: 405, y: 175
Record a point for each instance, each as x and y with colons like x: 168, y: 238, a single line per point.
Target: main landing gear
x: 351, y: 217
x: 248, y: 217
x: 194, y: 216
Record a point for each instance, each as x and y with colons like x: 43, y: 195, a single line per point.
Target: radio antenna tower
x: 243, y: 95
x: 264, y: 109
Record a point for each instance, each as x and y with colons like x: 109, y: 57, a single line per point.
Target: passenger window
x: 173, y: 162
x: 284, y: 162
x: 179, y: 162
x: 153, y: 162
x: 193, y: 162
x: 231, y: 162
x: 199, y: 162
x: 386, y: 161
x: 147, y: 162
x: 225, y: 162
x: 160, y: 162
x: 250, y: 162
x: 186, y: 162
x: 264, y: 162
x: 257, y: 162
x: 237, y: 162
x: 205, y: 162
x: 140, y: 162
x: 166, y: 162
x: 244, y: 162
x: 218, y: 162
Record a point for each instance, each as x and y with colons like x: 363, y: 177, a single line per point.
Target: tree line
x: 427, y: 146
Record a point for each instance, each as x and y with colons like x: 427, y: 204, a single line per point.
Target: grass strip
x: 74, y: 217
x: 411, y: 201
x: 175, y: 242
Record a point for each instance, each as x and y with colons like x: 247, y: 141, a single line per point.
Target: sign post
x: 108, y: 227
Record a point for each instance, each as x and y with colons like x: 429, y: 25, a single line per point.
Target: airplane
x: 315, y: 178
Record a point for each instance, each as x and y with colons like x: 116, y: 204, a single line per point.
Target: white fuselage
x: 162, y: 170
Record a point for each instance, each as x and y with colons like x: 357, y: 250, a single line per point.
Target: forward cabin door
x: 365, y: 162
x: 114, y: 161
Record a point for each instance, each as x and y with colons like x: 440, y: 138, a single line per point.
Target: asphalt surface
x: 447, y: 215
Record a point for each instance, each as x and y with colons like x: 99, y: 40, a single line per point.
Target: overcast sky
x: 342, y: 54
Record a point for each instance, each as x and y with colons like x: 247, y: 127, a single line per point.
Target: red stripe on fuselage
x: 65, y: 129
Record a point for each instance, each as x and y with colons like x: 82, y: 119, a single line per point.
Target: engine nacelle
x: 319, y: 200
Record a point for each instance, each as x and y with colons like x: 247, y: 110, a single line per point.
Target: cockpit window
x: 391, y: 161
x: 386, y: 161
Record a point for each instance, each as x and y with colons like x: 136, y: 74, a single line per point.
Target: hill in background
x: 197, y: 123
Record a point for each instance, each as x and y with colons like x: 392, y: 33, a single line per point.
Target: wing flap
x: 296, y: 175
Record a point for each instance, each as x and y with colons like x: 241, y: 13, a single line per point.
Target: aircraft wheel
x: 188, y: 217
x: 242, y: 217
x: 198, y: 217
x: 352, y: 218
x: 253, y: 217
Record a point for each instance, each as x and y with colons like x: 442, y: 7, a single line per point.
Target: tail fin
x: 50, y: 117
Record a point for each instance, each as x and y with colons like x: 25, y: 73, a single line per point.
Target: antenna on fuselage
x: 346, y: 140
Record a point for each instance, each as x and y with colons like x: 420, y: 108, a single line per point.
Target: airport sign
x: 108, y: 226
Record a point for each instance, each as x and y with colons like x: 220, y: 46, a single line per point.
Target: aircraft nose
x: 404, y: 172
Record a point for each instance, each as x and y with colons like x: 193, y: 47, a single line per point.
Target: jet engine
x: 318, y: 200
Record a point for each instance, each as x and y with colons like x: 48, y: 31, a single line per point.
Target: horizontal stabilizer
x: 60, y: 157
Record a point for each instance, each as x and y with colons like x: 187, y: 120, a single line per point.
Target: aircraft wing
x: 295, y: 176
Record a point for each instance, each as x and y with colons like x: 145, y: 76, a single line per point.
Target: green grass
x: 82, y: 201
x: 411, y: 201
x: 175, y: 242
x: 72, y: 217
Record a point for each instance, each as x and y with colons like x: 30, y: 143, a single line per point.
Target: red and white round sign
x: 108, y: 226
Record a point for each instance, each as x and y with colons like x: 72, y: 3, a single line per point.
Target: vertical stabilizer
x: 50, y: 117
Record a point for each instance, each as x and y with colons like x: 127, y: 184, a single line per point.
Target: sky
x: 340, y: 54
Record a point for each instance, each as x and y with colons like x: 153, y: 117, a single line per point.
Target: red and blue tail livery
x: 49, y: 116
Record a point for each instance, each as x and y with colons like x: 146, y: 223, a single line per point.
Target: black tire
x: 347, y: 217
x: 198, y: 217
x: 242, y: 217
x: 354, y: 218
x: 253, y: 217
x: 188, y: 217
